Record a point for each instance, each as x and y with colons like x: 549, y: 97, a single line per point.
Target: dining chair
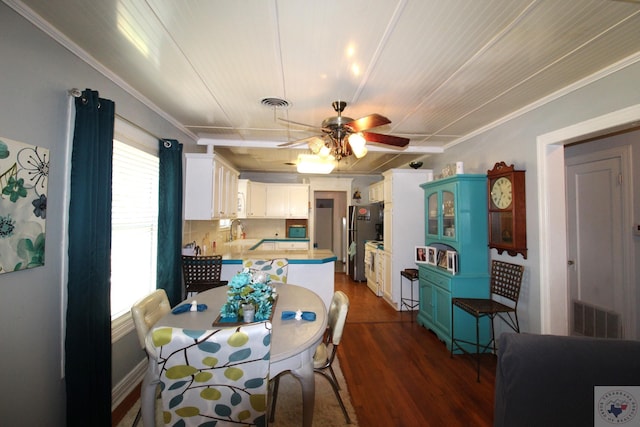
x: 276, y: 268
x: 145, y: 314
x: 201, y: 273
x: 326, y: 351
x: 506, y: 281
x: 213, y: 377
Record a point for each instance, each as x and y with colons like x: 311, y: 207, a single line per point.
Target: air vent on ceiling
x: 275, y: 103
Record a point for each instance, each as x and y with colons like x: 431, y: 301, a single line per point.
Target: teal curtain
x: 88, y: 334
x: 170, y: 220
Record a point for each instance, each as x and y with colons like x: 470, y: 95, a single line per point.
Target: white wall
x: 36, y: 73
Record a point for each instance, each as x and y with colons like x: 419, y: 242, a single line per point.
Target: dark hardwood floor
x: 400, y: 374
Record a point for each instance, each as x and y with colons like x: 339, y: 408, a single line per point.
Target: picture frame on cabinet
x: 420, y: 255
x: 442, y: 258
x: 452, y: 261
x: 432, y: 255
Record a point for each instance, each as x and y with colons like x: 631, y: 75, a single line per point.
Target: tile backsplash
x: 205, y: 233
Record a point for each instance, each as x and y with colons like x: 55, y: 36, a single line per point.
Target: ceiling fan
x: 342, y: 136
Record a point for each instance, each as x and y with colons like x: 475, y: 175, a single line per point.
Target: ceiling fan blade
x: 316, y: 128
x: 396, y: 141
x: 368, y: 122
x: 298, y: 142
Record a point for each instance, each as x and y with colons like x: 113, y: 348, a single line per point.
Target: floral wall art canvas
x: 24, y: 172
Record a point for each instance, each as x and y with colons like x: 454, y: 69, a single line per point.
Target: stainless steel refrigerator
x: 361, y: 227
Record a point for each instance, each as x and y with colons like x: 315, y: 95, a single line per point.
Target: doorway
x: 330, y: 224
x: 552, y: 211
x: 324, y: 224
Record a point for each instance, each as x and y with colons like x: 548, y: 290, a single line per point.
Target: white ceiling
x: 439, y: 70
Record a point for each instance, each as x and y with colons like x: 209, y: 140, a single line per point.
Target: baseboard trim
x: 128, y: 384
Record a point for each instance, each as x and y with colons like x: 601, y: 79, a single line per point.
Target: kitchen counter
x: 234, y: 252
x: 312, y: 269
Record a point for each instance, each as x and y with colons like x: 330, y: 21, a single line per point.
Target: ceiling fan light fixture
x: 315, y: 145
x: 361, y: 153
x: 358, y: 145
x: 311, y: 163
x: 324, y: 151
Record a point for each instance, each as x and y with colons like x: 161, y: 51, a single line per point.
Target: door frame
x: 552, y: 218
x: 325, y: 184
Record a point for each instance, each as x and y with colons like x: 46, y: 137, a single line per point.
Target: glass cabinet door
x: 448, y: 215
x: 432, y: 214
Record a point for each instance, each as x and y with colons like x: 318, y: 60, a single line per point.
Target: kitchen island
x: 313, y: 269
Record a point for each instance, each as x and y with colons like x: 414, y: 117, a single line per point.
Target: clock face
x: 501, y: 193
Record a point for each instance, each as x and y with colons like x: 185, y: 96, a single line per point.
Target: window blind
x: 134, y: 226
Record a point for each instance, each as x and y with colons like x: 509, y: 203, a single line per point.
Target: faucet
x: 235, y: 221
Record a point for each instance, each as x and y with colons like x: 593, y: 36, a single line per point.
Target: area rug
x: 327, y: 412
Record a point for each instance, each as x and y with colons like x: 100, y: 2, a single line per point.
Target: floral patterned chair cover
x: 213, y: 377
x: 276, y: 268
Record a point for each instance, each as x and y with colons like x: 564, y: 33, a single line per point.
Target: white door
x: 596, y: 270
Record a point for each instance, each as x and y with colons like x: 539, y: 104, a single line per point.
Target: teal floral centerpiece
x: 248, y: 288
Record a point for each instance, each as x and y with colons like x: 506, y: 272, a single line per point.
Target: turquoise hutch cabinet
x: 456, y: 220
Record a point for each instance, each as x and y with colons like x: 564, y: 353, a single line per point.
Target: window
x: 134, y: 222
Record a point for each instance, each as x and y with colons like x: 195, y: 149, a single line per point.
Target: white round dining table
x: 293, y: 342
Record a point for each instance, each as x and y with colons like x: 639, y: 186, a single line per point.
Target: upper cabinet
x: 287, y: 200
x: 277, y: 200
x: 251, y: 199
x: 455, y: 210
x: 211, y: 188
x: 243, y: 197
x: 376, y: 192
x: 225, y: 196
x: 298, y: 201
x: 441, y: 213
x: 265, y: 200
x: 257, y: 200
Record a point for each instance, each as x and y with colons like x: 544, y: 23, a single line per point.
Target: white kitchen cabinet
x: 376, y: 192
x: 257, y: 200
x: 225, y: 197
x: 266, y: 200
x: 403, y: 226
x: 387, y: 234
x: 267, y: 246
x: 298, y: 201
x: 243, y: 198
x: 289, y: 245
x: 386, y: 278
x: 381, y: 268
x: 287, y: 200
x: 211, y: 187
x: 277, y: 200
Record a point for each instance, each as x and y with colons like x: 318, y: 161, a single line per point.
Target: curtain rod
x: 77, y: 93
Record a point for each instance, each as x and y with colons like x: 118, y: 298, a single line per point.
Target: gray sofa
x: 546, y: 380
